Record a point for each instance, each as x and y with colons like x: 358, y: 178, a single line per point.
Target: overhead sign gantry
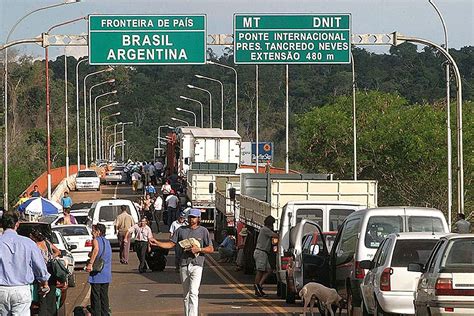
x: 147, y: 39
x: 292, y: 38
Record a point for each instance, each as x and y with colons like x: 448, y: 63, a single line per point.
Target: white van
x: 327, y: 215
x: 106, y: 211
x: 360, y: 236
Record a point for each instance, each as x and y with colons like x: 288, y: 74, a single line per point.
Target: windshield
x: 81, y: 206
x: 380, y: 227
x: 86, y: 174
x: 109, y: 213
x: 425, y: 224
x: 412, y: 251
x: 336, y: 217
x: 315, y: 215
x: 72, y: 230
x: 459, y: 254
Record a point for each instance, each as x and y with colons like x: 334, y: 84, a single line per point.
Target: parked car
x: 87, y: 180
x: 327, y: 216
x: 446, y: 285
x: 117, y: 175
x: 307, y: 258
x: 79, y: 236
x: 66, y: 255
x: 362, y: 233
x: 81, y: 207
x: 106, y: 211
x: 388, y: 286
x: 55, y: 220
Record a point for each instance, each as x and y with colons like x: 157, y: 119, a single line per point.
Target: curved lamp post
x: 187, y: 111
x: 222, y: 95
x: 95, y: 118
x: 78, y: 114
x: 178, y: 120
x: 200, y: 103
x: 210, y: 101
x: 101, y: 127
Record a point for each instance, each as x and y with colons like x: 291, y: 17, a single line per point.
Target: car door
x: 315, y: 258
x: 367, y: 286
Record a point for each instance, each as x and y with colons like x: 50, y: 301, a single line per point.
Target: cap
x: 182, y: 214
x: 194, y: 212
x: 189, y: 204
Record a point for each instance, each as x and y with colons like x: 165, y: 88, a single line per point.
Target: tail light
x: 284, y: 262
x: 359, y: 272
x: 385, y: 279
x: 88, y: 243
x: 444, y: 286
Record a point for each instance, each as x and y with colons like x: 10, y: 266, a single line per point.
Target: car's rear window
x: 315, y: 215
x: 425, y: 224
x: 72, y: 230
x: 81, y: 219
x: 412, y: 251
x: 86, y: 174
x: 459, y: 254
x: 80, y: 206
x: 336, y: 217
x: 109, y: 213
x: 380, y: 227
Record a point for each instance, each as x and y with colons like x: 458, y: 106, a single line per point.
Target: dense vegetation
x: 401, y: 115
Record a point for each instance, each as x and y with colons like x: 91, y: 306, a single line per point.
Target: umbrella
x: 40, y: 206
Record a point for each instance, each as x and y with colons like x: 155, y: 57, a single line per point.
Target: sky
x: 409, y: 17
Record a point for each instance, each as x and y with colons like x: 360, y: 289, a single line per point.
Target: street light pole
x: 159, y: 134
x: 101, y: 128
x: 95, y: 116
x: 210, y: 101
x: 179, y: 120
x: 256, y: 118
x: 354, y: 121
x: 448, y: 118
x: 5, y: 112
x: 200, y: 103
x: 85, y: 109
x: 222, y: 96
x: 123, y: 139
x: 186, y: 111
x: 78, y: 114
x: 287, y: 106
x: 236, y: 91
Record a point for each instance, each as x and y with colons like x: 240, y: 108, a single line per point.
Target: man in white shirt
x: 172, y: 204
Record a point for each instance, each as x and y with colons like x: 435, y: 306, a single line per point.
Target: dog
x: 312, y: 292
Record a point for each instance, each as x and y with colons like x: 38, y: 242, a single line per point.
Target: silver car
x: 446, y: 285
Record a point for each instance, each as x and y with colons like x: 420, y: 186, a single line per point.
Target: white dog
x: 315, y: 291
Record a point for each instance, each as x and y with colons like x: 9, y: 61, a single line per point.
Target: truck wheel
x: 290, y: 296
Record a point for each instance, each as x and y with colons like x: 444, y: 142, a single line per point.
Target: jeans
x: 225, y: 253
x: 172, y: 216
x: 191, y: 279
x: 100, y: 299
x: 124, y: 247
x: 15, y: 300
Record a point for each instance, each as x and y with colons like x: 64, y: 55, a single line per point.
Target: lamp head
x: 115, y: 103
x: 110, y: 68
x: 71, y: 1
x: 210, y: 62
x: 191, y: 86
x: 111, y: 80
x: 118, y: 113
x: 174, y: 119
x: 114, y: 92
x: 183, y: 97
x: 199, y: 76
x: 179, y: 109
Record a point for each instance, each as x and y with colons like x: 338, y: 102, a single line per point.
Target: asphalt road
x: 223, y: 291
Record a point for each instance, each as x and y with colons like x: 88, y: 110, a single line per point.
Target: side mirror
x: 211, y: 187
x: 366, y: 264
x: 72, y: 247
x: 63, y: 253
x: 415, y: 267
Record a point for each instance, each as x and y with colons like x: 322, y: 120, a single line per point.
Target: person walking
x: 172, y: 204
x: 181, y: 221
x: 143, y: 236
x: 462, y: 226
x: 158, y: 205
x: 166, y: 189
x: 16, y: 276
x: 122, y: 224
x: 100, y: 280
x: 47, y: 303
x: 261, y: 253
x: 150, y: 190
x: 135, y: 179
x: 66, y: 200
x: 191, y: 259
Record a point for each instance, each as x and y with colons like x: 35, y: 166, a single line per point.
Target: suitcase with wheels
x: 156, y: 258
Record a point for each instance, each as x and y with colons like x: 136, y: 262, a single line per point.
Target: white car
x: 117, y: 175
x: 388, y: 286
x: 66, y: 256
x: 56, y: 220
x: 79, y: 236
x: 87, y: 180
x: 106, y: 211
x: 446, y: 285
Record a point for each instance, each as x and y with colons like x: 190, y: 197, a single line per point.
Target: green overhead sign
x: 292, y: 38
x: 147, y: 39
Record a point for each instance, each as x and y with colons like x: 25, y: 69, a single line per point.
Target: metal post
x: 115, y: 139
x: 222, y: 96
x: 256, y: 117
x: 448, y: 118
x: 48, y: 129
x: 287, y: 163
x: 66, y: 114
x: 95, y: 113
x: 354, y: 121
x: 210, y: 101
x: 78, y: 114
x: 200, y: 103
